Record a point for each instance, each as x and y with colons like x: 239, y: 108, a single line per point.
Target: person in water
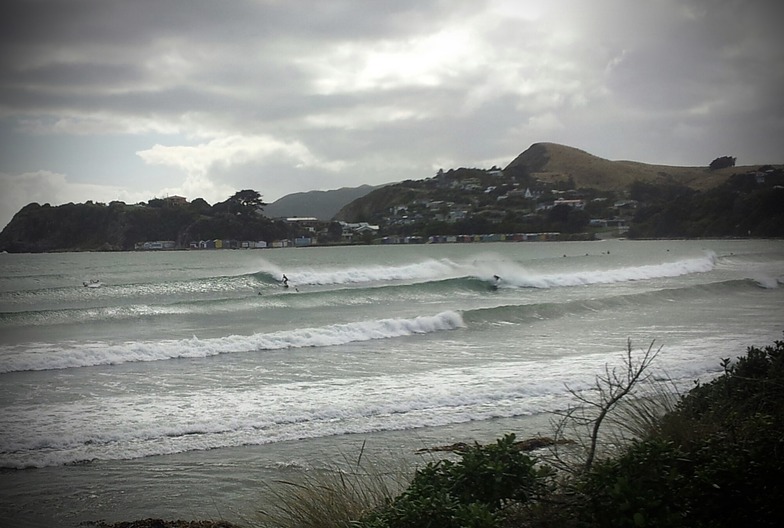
x: 285, y: 281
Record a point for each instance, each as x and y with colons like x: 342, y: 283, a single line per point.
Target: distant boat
x: 94, y: 283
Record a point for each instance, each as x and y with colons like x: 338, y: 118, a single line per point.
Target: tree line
x: 745, y: 205
x: 119, y: 226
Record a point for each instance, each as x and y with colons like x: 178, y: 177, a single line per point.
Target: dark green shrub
x: 722, y: 163
x: 738, y: 483
x: 469, y: 493
x: 752, y: 386
x: 716, y: 461
x: 639, y: 488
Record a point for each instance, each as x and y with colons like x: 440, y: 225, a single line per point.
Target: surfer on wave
x: 286, y: 283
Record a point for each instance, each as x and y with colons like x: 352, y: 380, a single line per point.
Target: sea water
x: 188, y: 380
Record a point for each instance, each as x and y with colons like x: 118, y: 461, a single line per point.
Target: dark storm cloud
x: 267, y: 94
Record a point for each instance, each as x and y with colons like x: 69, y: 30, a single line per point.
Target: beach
x: 189, y: 382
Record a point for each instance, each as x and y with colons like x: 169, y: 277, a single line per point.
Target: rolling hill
x: 552, y: 162
x: 319, y: 204
x: 670, y: 201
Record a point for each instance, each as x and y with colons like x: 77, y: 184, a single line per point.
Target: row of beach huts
x: 157, y: 245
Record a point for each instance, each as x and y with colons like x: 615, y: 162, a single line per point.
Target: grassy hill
x: 551, y: 162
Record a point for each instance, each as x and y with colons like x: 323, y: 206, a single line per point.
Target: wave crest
x: 50, y: 356
x: 426, y: 270
x: 631, y: 273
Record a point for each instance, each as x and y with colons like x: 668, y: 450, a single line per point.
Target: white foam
x: 45, y: 356
x: 767, y: 282
x: 625, y: 274
x: 426, y: 270
x: 486, y: 268
x: 125, y: 427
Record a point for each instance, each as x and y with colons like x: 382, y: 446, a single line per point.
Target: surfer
x: 496, y: 280
x: 285, y: 281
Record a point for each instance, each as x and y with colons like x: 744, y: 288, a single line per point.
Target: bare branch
x: 609, y: 388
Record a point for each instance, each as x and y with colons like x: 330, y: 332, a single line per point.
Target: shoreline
x: 225, y: 484
x: 339, y: 245
x: 521, y: 348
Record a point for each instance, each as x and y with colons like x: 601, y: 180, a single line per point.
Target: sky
x: 130, y: 100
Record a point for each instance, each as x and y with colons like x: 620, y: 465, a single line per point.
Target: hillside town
x: 548, y: 193
x: 482, y: 198
x: 494, y: 205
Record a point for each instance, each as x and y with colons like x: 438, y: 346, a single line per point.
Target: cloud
x: 210, y: 165
x: 225, y: 152
x: 288, y: 97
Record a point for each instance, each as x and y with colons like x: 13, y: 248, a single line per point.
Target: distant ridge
x: 553, y: 162
x: 323, y: 205
x: 677, y: 202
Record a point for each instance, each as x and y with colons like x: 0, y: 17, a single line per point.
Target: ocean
x: 189, y: 380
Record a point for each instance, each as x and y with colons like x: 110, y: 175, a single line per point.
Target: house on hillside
x: 574, y: 204
x: 175, y: 200
x: 310, y: 223
x: 351, y: 230
x: 470, y: 185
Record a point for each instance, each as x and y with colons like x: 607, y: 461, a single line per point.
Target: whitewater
x: 200, y: 372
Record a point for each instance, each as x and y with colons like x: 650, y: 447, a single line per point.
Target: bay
x: 189, y: 379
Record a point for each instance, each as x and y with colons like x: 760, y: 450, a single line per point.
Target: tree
x: 595, y: 404
x: 247, y: 198
x: 334, y: 232
x: 200, y: 206
x: 722, y: 163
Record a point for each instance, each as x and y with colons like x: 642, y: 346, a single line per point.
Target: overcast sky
x: 128, y: 100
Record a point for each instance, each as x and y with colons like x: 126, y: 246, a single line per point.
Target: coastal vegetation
x: 744, y: 205
x: 713, y: 458
x: 548, y: 188
x: 555, y: 188
x: 119, y: 226
x: 710, y: 457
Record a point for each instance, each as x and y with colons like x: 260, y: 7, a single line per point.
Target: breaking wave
x: 60, y: 356
x: 512, y: 274
x: 610, y: 276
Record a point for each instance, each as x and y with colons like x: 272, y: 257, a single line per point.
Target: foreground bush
x: 715, y: 460
x: 472, y: 492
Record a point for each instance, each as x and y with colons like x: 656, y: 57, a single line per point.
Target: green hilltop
x: 548, y: 188
x: 551, y: 165
x: 551, y: 187
x: 553, y: 162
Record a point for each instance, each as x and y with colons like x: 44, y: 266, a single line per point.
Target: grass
x: 334, y: 497
x: 552, y: 162
x: 641, y: 416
